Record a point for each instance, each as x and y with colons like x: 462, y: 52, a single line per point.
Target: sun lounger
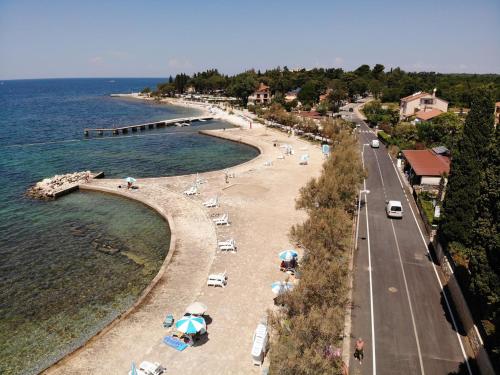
x: 175, y: 343
x: 268, y: 163
x: 217, y: 279
x: 222, y: 220
x: 169, y: 321
x: 193, y: 190
x: 304, y: 159
x: 198, y: 180
x: 229, y: 245
x: 212, y: 202
x: 281, y: 157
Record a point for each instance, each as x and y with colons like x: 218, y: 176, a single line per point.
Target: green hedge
x: 384, y: 137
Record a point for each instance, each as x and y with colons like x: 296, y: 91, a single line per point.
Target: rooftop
x: 262, y: 87
x: 427, y: 163
x: 427, y: 115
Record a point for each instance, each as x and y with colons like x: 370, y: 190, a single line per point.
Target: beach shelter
x: 196, y: 308
x: 130, y: 179
x: 191, y: 324
x: 279, y: 287
x: 288, y: 255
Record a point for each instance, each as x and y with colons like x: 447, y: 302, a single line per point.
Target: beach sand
x: 260, y: 201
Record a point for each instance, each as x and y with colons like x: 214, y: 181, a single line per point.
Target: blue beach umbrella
x: 191, y: 324
x: 130, y: 179
x: 133, y: 371
x: 288, y: 254
x: 279, y: 287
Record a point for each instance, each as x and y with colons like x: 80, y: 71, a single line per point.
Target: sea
x: 57, y: 287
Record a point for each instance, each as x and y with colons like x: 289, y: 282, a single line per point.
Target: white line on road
x: 409, y: 301
x: 371, y: 286
x: 435, y: 272
x: 404, y: 276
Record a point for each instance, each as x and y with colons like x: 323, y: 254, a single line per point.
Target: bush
x: 384, y: 137
x: 312, y: 321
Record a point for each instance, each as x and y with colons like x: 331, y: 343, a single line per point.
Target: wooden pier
x: 141, y: 127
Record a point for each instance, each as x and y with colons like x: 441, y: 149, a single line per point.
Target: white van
x: 375, y: 143
x: 394, y: 209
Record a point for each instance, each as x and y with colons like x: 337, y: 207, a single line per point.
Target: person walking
x: 358, y: 349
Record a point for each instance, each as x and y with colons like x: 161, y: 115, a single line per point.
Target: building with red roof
x: 427, y: 115
x: 426, y: 167
x: 262, y: 95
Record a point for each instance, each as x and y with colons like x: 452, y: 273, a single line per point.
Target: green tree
x: 242, y: 86
x: 378, y: 71
x: 466, y: 171
x: 309, y: 93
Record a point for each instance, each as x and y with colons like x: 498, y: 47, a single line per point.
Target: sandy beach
x: 260, y: 201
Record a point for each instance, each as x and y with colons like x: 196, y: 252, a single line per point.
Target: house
x: 290, y: 96
x: 497, y: 113
x: 425, y: 167
x: 260, y: 96
x: 422, y: 116
x: 421, y: 101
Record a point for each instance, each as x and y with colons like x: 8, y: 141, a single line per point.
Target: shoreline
x: 149, y: 293
x: 169, y: 222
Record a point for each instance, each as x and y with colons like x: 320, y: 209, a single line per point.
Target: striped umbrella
x: 288, y: 254
x: 279, y: 287
x: 191, y: 324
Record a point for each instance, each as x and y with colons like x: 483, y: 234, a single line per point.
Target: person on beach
x: 87, y: 177
x: 358, y: 350
x: 129, y: 184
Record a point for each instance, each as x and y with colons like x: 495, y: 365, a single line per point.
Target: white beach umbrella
x: 279, y: 287
x: 197, y: 308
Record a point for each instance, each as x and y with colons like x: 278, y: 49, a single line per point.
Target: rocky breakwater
x: 53, y: 187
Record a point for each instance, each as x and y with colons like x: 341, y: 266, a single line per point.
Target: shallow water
x: 68, y: 267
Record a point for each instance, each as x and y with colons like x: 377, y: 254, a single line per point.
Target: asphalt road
x: 398, y: 308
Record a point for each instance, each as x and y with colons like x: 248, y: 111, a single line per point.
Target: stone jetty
x: 58, y: 185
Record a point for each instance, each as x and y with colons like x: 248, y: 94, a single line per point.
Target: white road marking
x: 371, y: 285
x: 435, y: 272
x: 374, y: 358
x: 422, y: 371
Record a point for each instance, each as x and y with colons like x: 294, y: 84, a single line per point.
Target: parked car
x: 394, y: 209
x: 148, y: 368
x: 375, y: 143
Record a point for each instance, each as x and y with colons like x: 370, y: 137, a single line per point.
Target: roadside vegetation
x: 308, y: 327
x: 469, y: 228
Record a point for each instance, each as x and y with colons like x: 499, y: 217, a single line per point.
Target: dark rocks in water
x: 105, y: 247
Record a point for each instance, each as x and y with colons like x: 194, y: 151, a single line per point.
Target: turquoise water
x: 68, y: 267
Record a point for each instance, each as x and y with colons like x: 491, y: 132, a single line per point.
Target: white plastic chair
x: 222, y: 220
x: 229, y: 245
x: 217, y: 279
x: 193, y: 190
x: 212, y: 202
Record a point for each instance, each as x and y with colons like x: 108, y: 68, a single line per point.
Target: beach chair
x: 268, y: 163
x: 229, y: 245
x: 217, y: 279
x: 198, y: 180
x: 304, y: 159
x: 281, y: 157
x: 169, y: 321
x: 212, y: 202
x: 222, y: 220
x: 193, y: 190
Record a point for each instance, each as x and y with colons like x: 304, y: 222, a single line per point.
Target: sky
x: 158, y: 38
